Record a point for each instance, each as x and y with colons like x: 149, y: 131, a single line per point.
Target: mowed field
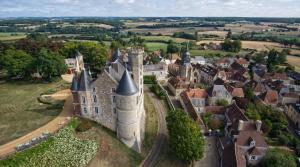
x: 20, y: 110
x: 11, y: 36
x: 294, y: 61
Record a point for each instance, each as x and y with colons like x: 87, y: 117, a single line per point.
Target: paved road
x: 161, y: 138
x: 51, y: 127
x: 211, y: 158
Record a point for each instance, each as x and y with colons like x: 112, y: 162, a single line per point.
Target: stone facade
x: 99, y: 100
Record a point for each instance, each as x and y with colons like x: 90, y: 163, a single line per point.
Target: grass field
x: 151, y: 125
x: 163, y: 38
x: 20, y: 110
x: 294, y: 61
x: 153, y: 46
x: 112, y: 152
x: 210, y: 53
x: 11, y: 36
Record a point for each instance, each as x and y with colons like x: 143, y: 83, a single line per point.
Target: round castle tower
x: 127, y: 102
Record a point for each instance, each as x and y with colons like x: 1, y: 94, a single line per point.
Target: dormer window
x: 252, y: 157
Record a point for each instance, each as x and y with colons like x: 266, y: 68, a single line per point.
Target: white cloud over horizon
x: 163, y: 8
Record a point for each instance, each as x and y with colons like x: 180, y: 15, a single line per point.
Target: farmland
x: 11, y: 36
x: 295, y: 61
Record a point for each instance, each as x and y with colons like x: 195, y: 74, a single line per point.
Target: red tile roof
x: 196, y: 93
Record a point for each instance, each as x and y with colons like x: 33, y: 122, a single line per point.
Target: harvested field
x: 11, y: 36
x: 294, y: 61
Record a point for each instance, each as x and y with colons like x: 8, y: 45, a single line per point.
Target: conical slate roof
x: 186, y: 56
x: 78, y: 54
x: 116, y: 55
x: 84, y: 82
x: 126, y: 86
x: 74, y: 85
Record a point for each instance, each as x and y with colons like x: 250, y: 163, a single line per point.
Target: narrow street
x: 161, y: 137
x: 210, y: 157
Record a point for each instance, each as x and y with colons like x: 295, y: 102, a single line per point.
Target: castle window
x: 114, y: 99
x: 253, y: 157
x: 96, y: 110
x: 83, y: 99
x: 137, y: 100
x: 113, y: 89
x: 95, y: 99
x: 94, y: 89
x: 85, y: 110
x: 115, y: 110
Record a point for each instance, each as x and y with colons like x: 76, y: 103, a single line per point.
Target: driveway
x: 161, y: 137
x: 211, y: 157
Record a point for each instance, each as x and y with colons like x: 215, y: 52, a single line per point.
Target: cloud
x: 252, y: 8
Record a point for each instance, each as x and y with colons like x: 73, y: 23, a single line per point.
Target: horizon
x: 150, y: 8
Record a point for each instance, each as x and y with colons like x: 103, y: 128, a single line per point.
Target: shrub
x: 83, y: 126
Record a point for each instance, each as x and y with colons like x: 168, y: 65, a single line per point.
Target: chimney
x: 258, y: 125
x: 241, y: 124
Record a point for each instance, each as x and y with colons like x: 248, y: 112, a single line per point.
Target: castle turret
x: 127, y: 104
x: 84, y: 93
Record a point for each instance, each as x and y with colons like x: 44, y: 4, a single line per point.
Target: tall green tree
x: 49, y: 64
x: 94, y: 54
x: 186, y: 140
x: 278, y: 158
x: 172, y: 48
x: 16, y: 62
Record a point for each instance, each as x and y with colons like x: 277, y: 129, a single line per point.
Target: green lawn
x: 163, y: 39
x: 153, y: 46
x: 11, y: 36
x: 151, y: 126
x: 20, y: 110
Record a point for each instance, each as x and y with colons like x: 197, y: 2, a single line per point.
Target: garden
x: 62, y: 149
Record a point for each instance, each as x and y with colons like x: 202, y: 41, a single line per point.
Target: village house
x: 197, y: 97
x: 203, y: 74
x: 247, y: 145
x: 74, y: 64
x: 270, y: 97
x: 293, y: 113
x: 218, y: 92
x: 198, y: 60
x: 177, y: 85
x: 159, y: 70
x: 224, y: 62
x: 243, y: 62
x: 259, y: 71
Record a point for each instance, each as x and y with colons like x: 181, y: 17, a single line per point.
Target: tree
x: 222, y: 102
x: 16, y: 62
x: 94, y: 55
x: 186, y: 140
x: 278, y: 158
x: 172, y: 48
x: 50, y: 64
x: 229, y: 34
x: 231, y: 45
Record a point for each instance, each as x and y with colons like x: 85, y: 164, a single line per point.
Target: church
x: 115, y: 98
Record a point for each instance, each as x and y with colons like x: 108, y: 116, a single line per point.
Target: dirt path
x: 52, y: 127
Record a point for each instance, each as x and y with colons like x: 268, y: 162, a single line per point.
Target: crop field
x: 294, y: 61
x: 221, y: 33
x: 153, y: 46
x: 11, y: 36
x: 20, y: 110
x: 210, y: 53
x: 239, y: 28
x: 166, y: 31
x: 163, y: 38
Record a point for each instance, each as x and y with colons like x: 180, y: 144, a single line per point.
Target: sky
x: 150, y: 8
